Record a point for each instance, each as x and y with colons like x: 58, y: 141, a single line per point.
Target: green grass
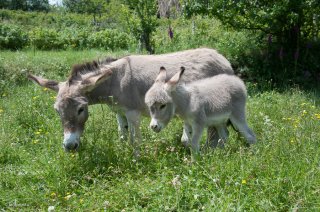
x: 279, y: 173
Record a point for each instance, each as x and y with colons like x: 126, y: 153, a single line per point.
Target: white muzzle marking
x: 155, y: 125
x: 71, y: 141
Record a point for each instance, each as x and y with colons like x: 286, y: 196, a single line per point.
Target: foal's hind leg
x: 238, y: 120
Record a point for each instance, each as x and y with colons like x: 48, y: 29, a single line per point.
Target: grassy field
x: 280, y: 173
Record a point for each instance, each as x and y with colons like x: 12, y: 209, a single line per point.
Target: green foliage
x: 206, y: 32
x: 86, y: 6
x: 46, y: 39
x: 145, y: 24
x: 58, y: 20
x: 109, y: 40
x: 287, y: 30
x: 27, y: 5
x: 12, y: 37
x: 56, y: 31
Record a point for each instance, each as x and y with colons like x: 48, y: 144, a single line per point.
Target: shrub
x: 12, y: 37
x: 46, y: 39
x: 109, y: 40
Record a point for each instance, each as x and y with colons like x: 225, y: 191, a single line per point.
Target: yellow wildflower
x: 45, y: 89
x: 244, y: 181
x: 53, y: 195
x: 317, y: 115
x: 292, y: 141
x: 68, y: 196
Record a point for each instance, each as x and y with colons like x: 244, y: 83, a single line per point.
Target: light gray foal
x: 209, y: 102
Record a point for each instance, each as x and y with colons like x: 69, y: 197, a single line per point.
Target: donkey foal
x: 209, y: 102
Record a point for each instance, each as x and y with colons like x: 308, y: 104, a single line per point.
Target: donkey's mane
x: 88, y: 67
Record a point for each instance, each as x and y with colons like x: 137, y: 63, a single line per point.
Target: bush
x: 46, y: 39
x: 109, y: 40
x: 75, y: 38
x: 12, y: 37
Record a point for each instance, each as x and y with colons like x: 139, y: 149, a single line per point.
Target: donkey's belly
x: 217, y: 119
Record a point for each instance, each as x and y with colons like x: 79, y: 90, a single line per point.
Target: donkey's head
x: 159, y: 100
x: 72, y: 101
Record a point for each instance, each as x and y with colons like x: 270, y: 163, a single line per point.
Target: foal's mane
x: 88, y: 67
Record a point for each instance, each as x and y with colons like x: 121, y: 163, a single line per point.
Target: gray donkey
x: 123, y: 83
x: 209, y: 102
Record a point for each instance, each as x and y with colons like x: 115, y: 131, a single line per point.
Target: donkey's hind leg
x: 223, y: 134
x: 213, y: 138
x: 239, y: 122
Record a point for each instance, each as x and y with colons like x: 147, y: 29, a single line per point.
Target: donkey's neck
x: 106, y: 92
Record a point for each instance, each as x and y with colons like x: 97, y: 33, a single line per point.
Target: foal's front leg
x: 133, y: 118
x: 195, y: 142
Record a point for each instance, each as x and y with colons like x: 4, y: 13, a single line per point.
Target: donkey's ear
x: 162, y: 75
x: 91, y: 81
x: 51, y: 84
x: 172, y: 83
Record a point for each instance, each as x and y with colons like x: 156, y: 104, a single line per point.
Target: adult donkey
x: 124, y: 83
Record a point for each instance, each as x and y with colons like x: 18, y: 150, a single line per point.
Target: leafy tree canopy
x: 27, y: 5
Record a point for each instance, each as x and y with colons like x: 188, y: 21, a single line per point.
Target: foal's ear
x: 51, y: 84
x: 91, y: 81
x: 162, y: 75
x: 172, y: 83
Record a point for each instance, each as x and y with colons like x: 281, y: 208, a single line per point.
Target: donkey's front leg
x: 122, y: 126
x: 133, y: 118
x: 186, y: 135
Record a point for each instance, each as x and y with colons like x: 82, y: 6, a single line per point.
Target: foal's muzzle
x: 155, y: 126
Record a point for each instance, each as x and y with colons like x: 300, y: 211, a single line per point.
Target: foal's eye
x: 80, y: 111
x: 162, y: 106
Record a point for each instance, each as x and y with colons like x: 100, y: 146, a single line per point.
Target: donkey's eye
x: 80, y: 111
x: 162, y: 106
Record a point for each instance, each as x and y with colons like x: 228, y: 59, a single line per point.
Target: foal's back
x: 221, y: 91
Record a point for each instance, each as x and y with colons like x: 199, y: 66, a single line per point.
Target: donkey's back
x: 202, y: 63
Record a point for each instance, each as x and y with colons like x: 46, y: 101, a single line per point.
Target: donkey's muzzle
x: 71, y: 141
x: 70, y: 146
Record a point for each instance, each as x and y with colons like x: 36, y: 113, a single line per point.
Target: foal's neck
x: 181, y: 99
